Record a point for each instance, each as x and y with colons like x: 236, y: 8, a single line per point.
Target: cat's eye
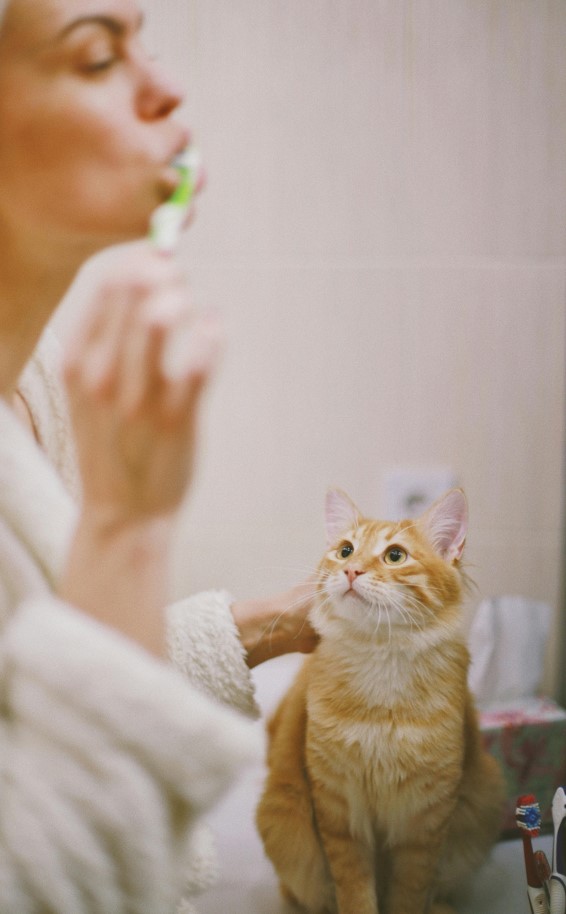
x: 345, y: 550
x: 395, y: 555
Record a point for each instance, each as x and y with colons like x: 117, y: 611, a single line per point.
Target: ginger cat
x: 380, y: 798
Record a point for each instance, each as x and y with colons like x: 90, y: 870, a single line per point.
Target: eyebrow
x: 115, y: 26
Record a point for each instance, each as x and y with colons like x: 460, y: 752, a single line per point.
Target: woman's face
x: 86, y: 132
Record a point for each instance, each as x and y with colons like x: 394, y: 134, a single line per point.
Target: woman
x: 107, y: 754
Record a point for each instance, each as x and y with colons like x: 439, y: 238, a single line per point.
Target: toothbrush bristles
x: 527, y: 815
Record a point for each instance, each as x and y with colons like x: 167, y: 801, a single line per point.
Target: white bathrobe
x: 108, y: 757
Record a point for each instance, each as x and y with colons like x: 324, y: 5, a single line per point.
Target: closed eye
x: 101, y: 65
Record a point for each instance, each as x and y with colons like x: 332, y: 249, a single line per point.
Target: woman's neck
x: 33, y: 280
x: 26, y: 306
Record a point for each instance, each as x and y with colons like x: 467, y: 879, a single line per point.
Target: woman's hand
x: 277, y: 625
x: 135, y: 373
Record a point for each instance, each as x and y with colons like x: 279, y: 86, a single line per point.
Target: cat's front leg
x: 350, y: 859
x: 413, y: 874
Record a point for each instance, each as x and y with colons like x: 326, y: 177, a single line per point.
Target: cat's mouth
x: 391, y: 613
x: 354, y: 593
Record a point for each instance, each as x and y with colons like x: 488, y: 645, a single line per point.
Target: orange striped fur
x: 379, y: 796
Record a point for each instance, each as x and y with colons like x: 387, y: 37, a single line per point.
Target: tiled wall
x: 385, y: 232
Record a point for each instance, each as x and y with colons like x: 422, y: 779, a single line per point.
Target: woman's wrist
x: 274, y: 626
x: 117, y: 573
x: 259, y: 629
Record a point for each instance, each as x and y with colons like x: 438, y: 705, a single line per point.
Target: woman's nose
x: 159, y: 93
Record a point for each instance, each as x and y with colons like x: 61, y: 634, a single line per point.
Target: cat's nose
x: 352, y: 573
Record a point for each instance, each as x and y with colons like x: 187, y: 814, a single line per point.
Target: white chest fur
x: 381, y: 730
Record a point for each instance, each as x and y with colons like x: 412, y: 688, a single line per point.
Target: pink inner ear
x: 341, y: 514
x: 446, y: 524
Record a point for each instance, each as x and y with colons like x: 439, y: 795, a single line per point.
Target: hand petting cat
x: 277, y: 625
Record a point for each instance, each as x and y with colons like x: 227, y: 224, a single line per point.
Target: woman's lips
x: 169, y: 181
x: 169, y: 184
x: 171, y: 177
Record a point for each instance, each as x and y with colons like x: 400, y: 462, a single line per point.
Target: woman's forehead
x: 33, y: 21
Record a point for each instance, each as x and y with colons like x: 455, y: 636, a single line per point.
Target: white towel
x: 508, y: 640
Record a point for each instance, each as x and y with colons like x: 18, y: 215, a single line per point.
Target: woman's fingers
x: 135, y: 372
x: 102, y: 340
x: 143, y: 377
x: 189, y: 363
x: 169, y: 355
x: 100, y: 368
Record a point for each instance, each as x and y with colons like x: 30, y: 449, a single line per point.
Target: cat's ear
x: 341, y: 514
x: 445, y: 524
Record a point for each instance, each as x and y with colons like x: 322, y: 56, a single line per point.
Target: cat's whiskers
x: 382, y: 609
x: 378, y: 623
x: 410, y: 618
x: 388, y: 614
x: 397, y: 603
x: 407, y: 618
x: 409, y: 596
x: 410, y: 603
x: 405, y: 604
x: 322, y: 603
x: 408, y: 527
x: 304, y: 598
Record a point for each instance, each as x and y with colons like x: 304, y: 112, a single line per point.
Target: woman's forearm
x: 118, y: 575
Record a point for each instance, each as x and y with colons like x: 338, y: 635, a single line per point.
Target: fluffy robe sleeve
x: 203, y: 642
x: 107, y: 758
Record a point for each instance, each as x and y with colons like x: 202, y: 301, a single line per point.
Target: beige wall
x: 385, y: 233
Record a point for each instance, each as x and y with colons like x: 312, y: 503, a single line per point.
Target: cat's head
x: 381, y: 579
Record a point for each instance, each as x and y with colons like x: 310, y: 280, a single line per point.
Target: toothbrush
x: 528, y: 818
x: 165, y: 228
x: 558, y: 877
x: 168, y: 219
